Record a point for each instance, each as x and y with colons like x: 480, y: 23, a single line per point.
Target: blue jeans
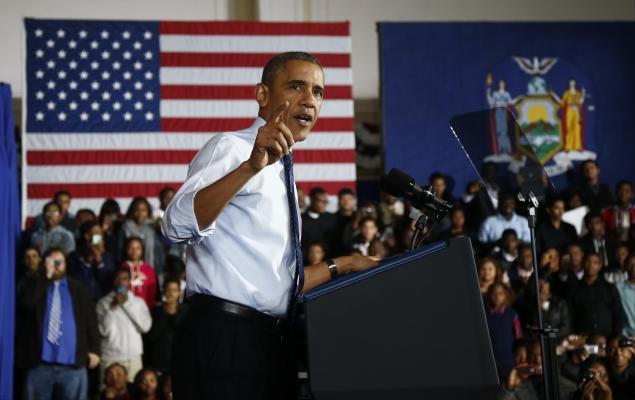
x: 47, y: 381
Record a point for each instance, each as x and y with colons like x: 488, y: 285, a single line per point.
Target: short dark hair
x: 316, y: 191
x: 61, y: 193
x: 169, y: 280
x: 590, y: 215
x: 509, y: 232
x: 277, y: 62
x: 52, y: 250
x: 165, y: 190
x: 436, y: 175
x: 585, y: 162
x: 622, y: 183
x: 344, y: 192
x: 122, y: 270
x: 551, y: 200
x: 48, y: 204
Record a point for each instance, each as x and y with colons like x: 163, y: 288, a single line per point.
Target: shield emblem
x: 538, y: 118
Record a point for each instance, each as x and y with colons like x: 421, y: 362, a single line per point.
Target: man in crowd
x: 555, y: 232
x: 594, y: 303
x: 620, y: 351
x: 52, y: 234
x: 63, y: 199
x: 238, y: 210
x: 627, y: 294
x: 594, y: 241
x: 506, y: 218
x: 481, y: 199
x: 594, y: 194
x: 58, y: 336
x: 318, y: 225
x: 619, y: 218
x: 123, y: 318
x: 346, y: 206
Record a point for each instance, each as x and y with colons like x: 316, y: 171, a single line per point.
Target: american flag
x: 119, y: 108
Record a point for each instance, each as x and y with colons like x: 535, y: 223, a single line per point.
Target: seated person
x: 146, y: 385
x: 594, y: 381
x: 621, y: 217
x: 506, y: 218
x: 554, y: 231
x: 116, y: 380
x: 621, y: 352
x: 594, y: 303
x: 508, y: 252
x: 627, y: 296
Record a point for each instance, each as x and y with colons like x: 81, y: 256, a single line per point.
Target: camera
x: 626, y: 342
x: 57, y: 263
x: 586, y: 376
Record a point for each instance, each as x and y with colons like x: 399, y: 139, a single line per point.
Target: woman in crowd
x: 146, y: 385
x: 315, y: 253
x: 143, y: 281
x: 504, y: 327
x: 139, y: 224
x: 489, y: 273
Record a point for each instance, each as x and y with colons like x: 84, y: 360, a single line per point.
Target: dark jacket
x: 32, y: 306
x: 596, y: 309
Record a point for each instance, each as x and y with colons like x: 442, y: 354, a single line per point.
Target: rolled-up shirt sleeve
x: 218, y: 157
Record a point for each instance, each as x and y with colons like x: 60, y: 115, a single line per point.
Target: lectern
x: 412, y: 328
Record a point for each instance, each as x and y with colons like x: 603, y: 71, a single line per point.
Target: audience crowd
x: 99, y: 296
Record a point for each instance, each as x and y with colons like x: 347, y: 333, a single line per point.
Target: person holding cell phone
x: 123, y: 318
x: 58, y: 337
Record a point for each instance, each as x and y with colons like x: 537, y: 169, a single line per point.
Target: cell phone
x: 592, y: 348
x: 95, y: 240
x: 586, y: 376
x: 527, y: 370
x: 121, y: 290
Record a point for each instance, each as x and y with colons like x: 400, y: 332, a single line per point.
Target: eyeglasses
x: 52, y: 213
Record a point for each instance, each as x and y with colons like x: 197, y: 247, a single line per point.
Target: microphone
x: 400, y: 184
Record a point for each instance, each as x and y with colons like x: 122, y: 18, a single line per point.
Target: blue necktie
x: 55, y: 316
x: 298, y: 281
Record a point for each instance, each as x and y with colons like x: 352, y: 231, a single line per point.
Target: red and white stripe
x: 208, y: 73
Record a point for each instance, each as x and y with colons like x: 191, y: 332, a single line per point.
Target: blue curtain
x: 9, y: 236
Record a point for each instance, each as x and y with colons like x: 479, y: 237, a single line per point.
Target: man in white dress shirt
x: 237, y: 210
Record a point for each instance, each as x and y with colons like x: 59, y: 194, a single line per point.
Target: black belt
x: 203, y: 301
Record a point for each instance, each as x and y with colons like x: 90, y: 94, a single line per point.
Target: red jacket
x: 143, y: 282
x: 609, y: 216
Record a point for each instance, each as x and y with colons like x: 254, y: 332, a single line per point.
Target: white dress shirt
x: 246, y: 255
x: 121, y: 327
x: 492, y: 228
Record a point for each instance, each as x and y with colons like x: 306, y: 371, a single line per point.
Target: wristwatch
x: 332, y: 268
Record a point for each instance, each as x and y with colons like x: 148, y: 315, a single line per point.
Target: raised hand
x: 273, y: 141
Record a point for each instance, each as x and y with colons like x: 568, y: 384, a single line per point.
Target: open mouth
x: 304, y: 119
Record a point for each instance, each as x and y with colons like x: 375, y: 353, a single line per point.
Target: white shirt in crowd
x: 121, y: 327
x: 246, y: 255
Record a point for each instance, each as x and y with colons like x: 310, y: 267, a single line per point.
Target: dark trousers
x: 218, y: 355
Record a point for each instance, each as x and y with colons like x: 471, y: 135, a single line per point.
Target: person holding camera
x: 123, y: 318
x: 58, y: 336
x: 594, y: 382
x: 621, y: 367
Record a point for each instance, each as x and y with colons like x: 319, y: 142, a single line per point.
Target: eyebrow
x: 301, y: 82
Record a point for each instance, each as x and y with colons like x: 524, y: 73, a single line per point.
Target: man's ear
x: 262, y: 95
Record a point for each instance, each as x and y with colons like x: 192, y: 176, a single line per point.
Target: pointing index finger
x: 275, y: 117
